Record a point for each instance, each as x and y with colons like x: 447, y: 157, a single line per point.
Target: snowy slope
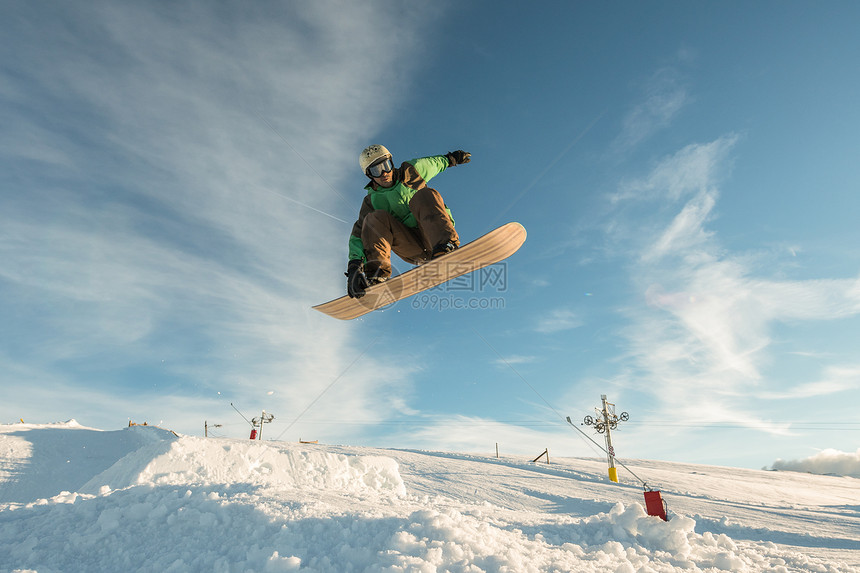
x: 144, y: 499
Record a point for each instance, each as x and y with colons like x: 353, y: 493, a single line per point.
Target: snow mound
x: 624, y: 540
x: 200, y: 461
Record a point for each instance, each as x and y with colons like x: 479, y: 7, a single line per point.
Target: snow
x: 145, y: 499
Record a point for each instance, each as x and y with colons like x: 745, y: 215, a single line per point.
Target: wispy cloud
x: 558, y: 320
x: 697, y: 168
x: 836, y: 379
x: 703, y: 338
x: 160, y: 163
x: 665, y: 95
x: 515, y: 359
x: 686, y: 231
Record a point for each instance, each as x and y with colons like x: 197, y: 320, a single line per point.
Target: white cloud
x: 825, y: 462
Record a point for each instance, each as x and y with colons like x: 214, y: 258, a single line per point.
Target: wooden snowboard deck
x: 495, y: 246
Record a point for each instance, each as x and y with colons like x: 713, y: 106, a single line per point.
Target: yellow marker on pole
x: 613, y: 474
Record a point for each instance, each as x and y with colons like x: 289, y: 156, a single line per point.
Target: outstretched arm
x: 422, y: 170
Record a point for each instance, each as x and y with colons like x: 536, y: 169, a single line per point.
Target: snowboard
x: 495, y: 246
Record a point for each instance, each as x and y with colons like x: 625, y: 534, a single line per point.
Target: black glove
x: 356, y: 281
x: 458, y: 157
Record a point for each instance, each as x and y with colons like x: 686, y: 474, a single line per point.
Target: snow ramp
x: 44, y: 461
x: 206, y: 461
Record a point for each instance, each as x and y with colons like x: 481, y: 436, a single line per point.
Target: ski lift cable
x: 551, y: 164
x: 326, y: 389
x: 423, y: 421
x: 243, y: 415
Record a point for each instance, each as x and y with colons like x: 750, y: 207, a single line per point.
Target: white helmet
x: 372, y: 154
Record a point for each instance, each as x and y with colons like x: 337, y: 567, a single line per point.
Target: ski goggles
x: 380, y: 167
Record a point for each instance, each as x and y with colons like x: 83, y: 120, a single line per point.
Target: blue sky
x: 179, y: 182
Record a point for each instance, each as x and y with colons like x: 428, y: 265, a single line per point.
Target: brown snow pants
x: 382, y: 233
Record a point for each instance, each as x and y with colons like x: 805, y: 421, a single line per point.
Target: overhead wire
x: 551, y: 164
x: 326, y: 389
x: 452, y: 422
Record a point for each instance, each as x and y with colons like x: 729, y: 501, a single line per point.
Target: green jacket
x: 411, y: 177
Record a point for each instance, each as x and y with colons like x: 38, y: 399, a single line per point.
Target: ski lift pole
x: 654, y: 503
x: 610, y: 452
x: 601, y: 448
x: 263, y: 419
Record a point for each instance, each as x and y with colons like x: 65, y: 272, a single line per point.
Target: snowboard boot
x: 444, y: 248
x: 376, y: 273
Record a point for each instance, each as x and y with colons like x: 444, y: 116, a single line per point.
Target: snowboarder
x: 400, y: 213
